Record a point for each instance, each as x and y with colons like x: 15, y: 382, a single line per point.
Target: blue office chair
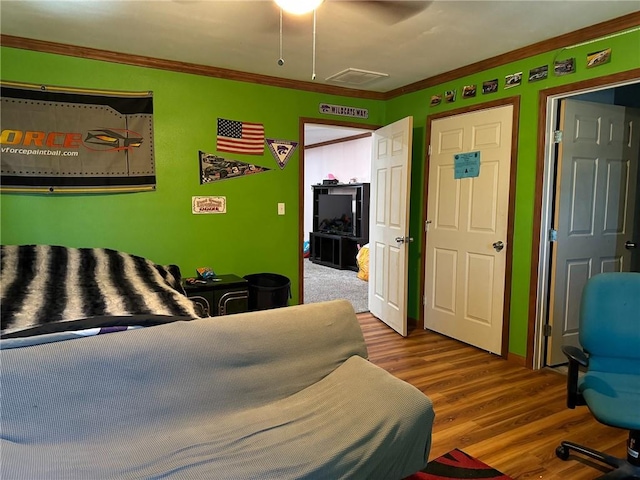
x: 610, y: 387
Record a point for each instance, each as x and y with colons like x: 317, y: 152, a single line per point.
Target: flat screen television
x: 335, y: 214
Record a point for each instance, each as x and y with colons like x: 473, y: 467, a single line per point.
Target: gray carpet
x: 326, y: 283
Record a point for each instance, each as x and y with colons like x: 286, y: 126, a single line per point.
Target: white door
x: 389, y: 223
x: 465, y: 272
x: 597, y: 174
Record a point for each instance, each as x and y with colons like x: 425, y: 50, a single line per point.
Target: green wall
x: 625, y: 56
x: 251, y: 237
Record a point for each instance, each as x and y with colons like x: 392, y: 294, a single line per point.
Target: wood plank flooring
x: 510, y: 417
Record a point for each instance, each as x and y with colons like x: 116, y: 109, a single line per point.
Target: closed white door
x: 597, y: 174
x: 466, y: 241
x: 389, y: 223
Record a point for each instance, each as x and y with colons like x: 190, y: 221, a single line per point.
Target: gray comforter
x: 277, y: 394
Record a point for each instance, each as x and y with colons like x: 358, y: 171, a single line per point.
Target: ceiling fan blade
x: 390, y: 11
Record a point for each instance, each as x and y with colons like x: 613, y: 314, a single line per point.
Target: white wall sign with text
x: 343, y: 110
x: 204, y: 205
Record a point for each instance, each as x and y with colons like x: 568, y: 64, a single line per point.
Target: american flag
x: 240, y: 137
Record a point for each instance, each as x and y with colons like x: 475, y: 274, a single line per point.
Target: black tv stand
x: 337, y: 251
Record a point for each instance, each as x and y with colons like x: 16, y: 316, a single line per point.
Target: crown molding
x: 338, y: 140
x: 555, y: 43
x: 180, y: 67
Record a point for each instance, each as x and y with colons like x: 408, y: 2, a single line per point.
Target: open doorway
x: 589, y: 217
x: 333, y: 151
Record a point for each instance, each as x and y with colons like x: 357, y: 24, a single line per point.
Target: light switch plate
x: 280, y: 208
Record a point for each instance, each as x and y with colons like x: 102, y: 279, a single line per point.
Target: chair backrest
x: 610, y: 322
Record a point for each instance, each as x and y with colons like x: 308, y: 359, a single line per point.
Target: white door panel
x: 465, y: 275
x: 595, y: 206
x: 390, y: 188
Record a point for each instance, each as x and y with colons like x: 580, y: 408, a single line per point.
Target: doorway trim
x: 515, y: 102
x: 545, y: 161
x: 301, y: 123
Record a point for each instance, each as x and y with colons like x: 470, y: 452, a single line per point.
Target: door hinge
x: 429, y: 150
x: 553, y: 235
x: 557, y: 136
x: 547, y: 330
x: 426, y: 225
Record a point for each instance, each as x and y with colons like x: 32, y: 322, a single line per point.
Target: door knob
x: 629, y: 245
x: 498, y: 245
x: 404, y: 239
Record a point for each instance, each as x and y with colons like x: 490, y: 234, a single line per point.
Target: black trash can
x: 268, y: 290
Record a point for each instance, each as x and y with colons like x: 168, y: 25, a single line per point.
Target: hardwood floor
x: 510, y: 417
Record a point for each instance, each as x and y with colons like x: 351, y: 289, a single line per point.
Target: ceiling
x: 408, y: 41
x: 316, y: 133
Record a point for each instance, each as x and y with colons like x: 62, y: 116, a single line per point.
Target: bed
x: 286, y: 393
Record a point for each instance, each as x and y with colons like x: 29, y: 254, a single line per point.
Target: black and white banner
x: 75, y: 141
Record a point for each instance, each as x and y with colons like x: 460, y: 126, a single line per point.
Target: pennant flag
x: 214, y: 168
x: 281, y: 150
x: 240, y: 137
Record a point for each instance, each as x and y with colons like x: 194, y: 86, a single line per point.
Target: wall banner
x: 70, y: 140
x: 214, y: 168
x: 343, y: 110
x: 281, y: 150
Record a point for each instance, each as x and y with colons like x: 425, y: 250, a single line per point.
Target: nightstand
x: 225, y: 294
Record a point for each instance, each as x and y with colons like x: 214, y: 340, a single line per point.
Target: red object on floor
x: 457, y: 465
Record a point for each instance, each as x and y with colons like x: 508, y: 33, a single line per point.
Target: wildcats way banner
x: 75, y: 141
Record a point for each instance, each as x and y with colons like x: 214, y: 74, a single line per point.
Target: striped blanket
x: 42, y: 285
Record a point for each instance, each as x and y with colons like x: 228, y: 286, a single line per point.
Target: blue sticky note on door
x: 466, y: 165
